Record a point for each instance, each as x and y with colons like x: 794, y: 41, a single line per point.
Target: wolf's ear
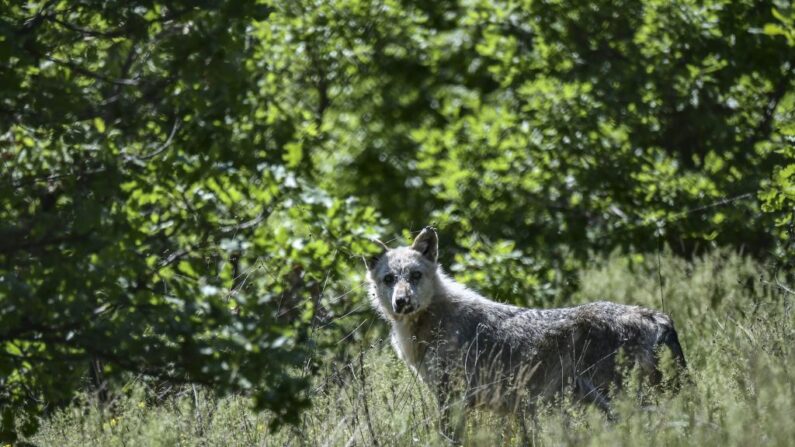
x: 371, y: 261
x: 427, y: 243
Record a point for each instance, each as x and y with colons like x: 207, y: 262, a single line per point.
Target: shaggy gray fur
x: 507, y: 357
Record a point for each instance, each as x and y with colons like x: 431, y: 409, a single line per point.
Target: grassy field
x: 736, y: 329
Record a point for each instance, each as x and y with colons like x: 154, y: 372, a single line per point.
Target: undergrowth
x: 735, y: 326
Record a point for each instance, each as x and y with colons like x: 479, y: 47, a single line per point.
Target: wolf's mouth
x: 403, y: 309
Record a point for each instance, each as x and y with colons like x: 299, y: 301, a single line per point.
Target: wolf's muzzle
x: 402, y: 306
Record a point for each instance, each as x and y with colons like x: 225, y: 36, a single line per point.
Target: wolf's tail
x: 669, y: 338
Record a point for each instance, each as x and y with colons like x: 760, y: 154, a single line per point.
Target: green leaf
x: 294, y: 153
x: 99, y: 124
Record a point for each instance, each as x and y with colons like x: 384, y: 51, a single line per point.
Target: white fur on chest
x: 405, y: 343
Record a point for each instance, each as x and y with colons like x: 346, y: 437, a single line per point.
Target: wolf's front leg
x: 452, y: 412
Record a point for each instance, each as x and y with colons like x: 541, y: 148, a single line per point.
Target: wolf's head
x: 403, y: 280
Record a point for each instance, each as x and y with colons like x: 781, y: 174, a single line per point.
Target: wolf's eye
x: 389, y: 279
x: 415, y: 276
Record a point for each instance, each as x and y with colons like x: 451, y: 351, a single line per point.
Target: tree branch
x: 118, y: 32
x: 765, y: 127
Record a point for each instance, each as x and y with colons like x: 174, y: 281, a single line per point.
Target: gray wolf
x: 478, y: 352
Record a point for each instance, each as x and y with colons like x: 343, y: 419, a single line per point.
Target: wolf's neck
x: 411, y: 335
x: 408, y: 338
x: 450, y: 291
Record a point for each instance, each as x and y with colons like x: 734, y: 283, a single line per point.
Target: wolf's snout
x: 402, y: 305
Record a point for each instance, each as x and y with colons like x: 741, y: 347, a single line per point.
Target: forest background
x: 187, y: 187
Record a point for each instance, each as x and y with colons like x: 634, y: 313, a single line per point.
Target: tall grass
x: 737, y: 332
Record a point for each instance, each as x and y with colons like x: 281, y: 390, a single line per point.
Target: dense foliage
x: 187, y: 186
x: 155, y: 218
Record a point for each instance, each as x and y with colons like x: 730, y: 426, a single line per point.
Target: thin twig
x: 165, y: 145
